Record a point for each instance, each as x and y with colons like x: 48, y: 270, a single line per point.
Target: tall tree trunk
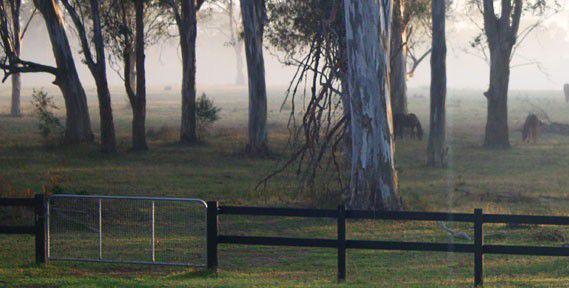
x: 398, y: 61
x: 497, y: 133
x: 238, y: 49
x: 501, y: 34
x: 78, y: 123
x: 132, y: 69
x: 139, y: 108
x: 237, y: 45
x: 373, y: 182
x: 108, y: 137
x: 98, y: 68
x: 188, y: 32
x: 254, y: 17
x: 16, y: 110
x: 437, y: 150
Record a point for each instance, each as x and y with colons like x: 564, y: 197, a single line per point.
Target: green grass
x: 529, y: 179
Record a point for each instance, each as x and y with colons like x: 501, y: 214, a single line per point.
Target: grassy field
x: 529, y: 179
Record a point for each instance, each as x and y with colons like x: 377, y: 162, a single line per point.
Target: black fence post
x: 478, y: 248
x: 40, y: 228
x: 211, y: 227
x: 341, y: 243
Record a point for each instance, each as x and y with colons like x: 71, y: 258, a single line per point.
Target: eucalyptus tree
x: 15, y: 6
x: 128, y: 28
x: 86, y: 17
x: 138, y: 98
x: 309, y: 36
x: 409, y: 21
x: 17, y: 35
x: 78, y: 123
x: 437, y: 149
x: 185, y: 15
x: 222, y: 16
x: 373, y: 182
x: 235, y: 41
x: 254, y: 16
x: 503, y: 35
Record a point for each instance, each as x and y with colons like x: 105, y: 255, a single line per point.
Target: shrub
x: 49, y: 126
x: 207, y: 114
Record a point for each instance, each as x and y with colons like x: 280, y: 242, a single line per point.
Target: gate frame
x: 152, y: 200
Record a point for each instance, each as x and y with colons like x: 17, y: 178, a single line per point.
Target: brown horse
x: 407, y: 122
x: 530, y: 132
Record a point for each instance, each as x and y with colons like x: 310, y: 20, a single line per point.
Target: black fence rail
x: 477, y: 248
x: 38, y: 204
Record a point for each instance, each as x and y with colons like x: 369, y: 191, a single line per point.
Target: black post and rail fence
x: 39, y: 229
x: 478, y: 248
x: 478, y: 219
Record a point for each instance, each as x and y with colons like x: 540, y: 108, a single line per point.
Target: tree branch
x: 80, y: 27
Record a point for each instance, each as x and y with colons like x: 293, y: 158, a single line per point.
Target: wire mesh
x: 139, y: 230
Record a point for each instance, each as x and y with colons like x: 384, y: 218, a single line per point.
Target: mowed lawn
x: 528, y: 179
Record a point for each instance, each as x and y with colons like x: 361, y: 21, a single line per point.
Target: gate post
x: 478, y: 248
x: 341, y: 243
x: 211, y: 227
x: 40, y: 223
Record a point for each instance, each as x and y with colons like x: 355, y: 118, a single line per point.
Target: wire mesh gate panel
x: 123, y: 229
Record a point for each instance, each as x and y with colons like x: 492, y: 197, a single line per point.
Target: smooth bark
x: 15, y: 109
x: 373, y: 182
x: 437, y: 149
x: 78, y: 123
x: 237, y: 45
x: 254, y: 17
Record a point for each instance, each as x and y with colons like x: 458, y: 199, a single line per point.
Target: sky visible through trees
x: 548, y: 46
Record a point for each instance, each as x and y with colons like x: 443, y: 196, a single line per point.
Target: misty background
x: 540, y: 64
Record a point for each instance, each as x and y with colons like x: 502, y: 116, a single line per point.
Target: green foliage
x: 49, y: 126
x: 207, y: 114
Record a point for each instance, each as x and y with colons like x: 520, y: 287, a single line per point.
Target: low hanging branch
x: 316, y: 140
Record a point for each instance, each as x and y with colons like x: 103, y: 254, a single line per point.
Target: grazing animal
x: 530, y: 132
x: 407, y: 122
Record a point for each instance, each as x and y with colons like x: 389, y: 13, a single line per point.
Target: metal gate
x: 127, y: 229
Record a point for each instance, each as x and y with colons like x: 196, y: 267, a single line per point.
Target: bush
x: 207, y: 114
x: 49, y: 126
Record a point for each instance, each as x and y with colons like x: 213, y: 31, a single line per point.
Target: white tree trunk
x: 16, y: 109
x: 254, y: 17
x: 373, y: 182
x: 240, y: 75
x: 237, y: 45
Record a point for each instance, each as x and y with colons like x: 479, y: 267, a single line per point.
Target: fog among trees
x: 546, y: 46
